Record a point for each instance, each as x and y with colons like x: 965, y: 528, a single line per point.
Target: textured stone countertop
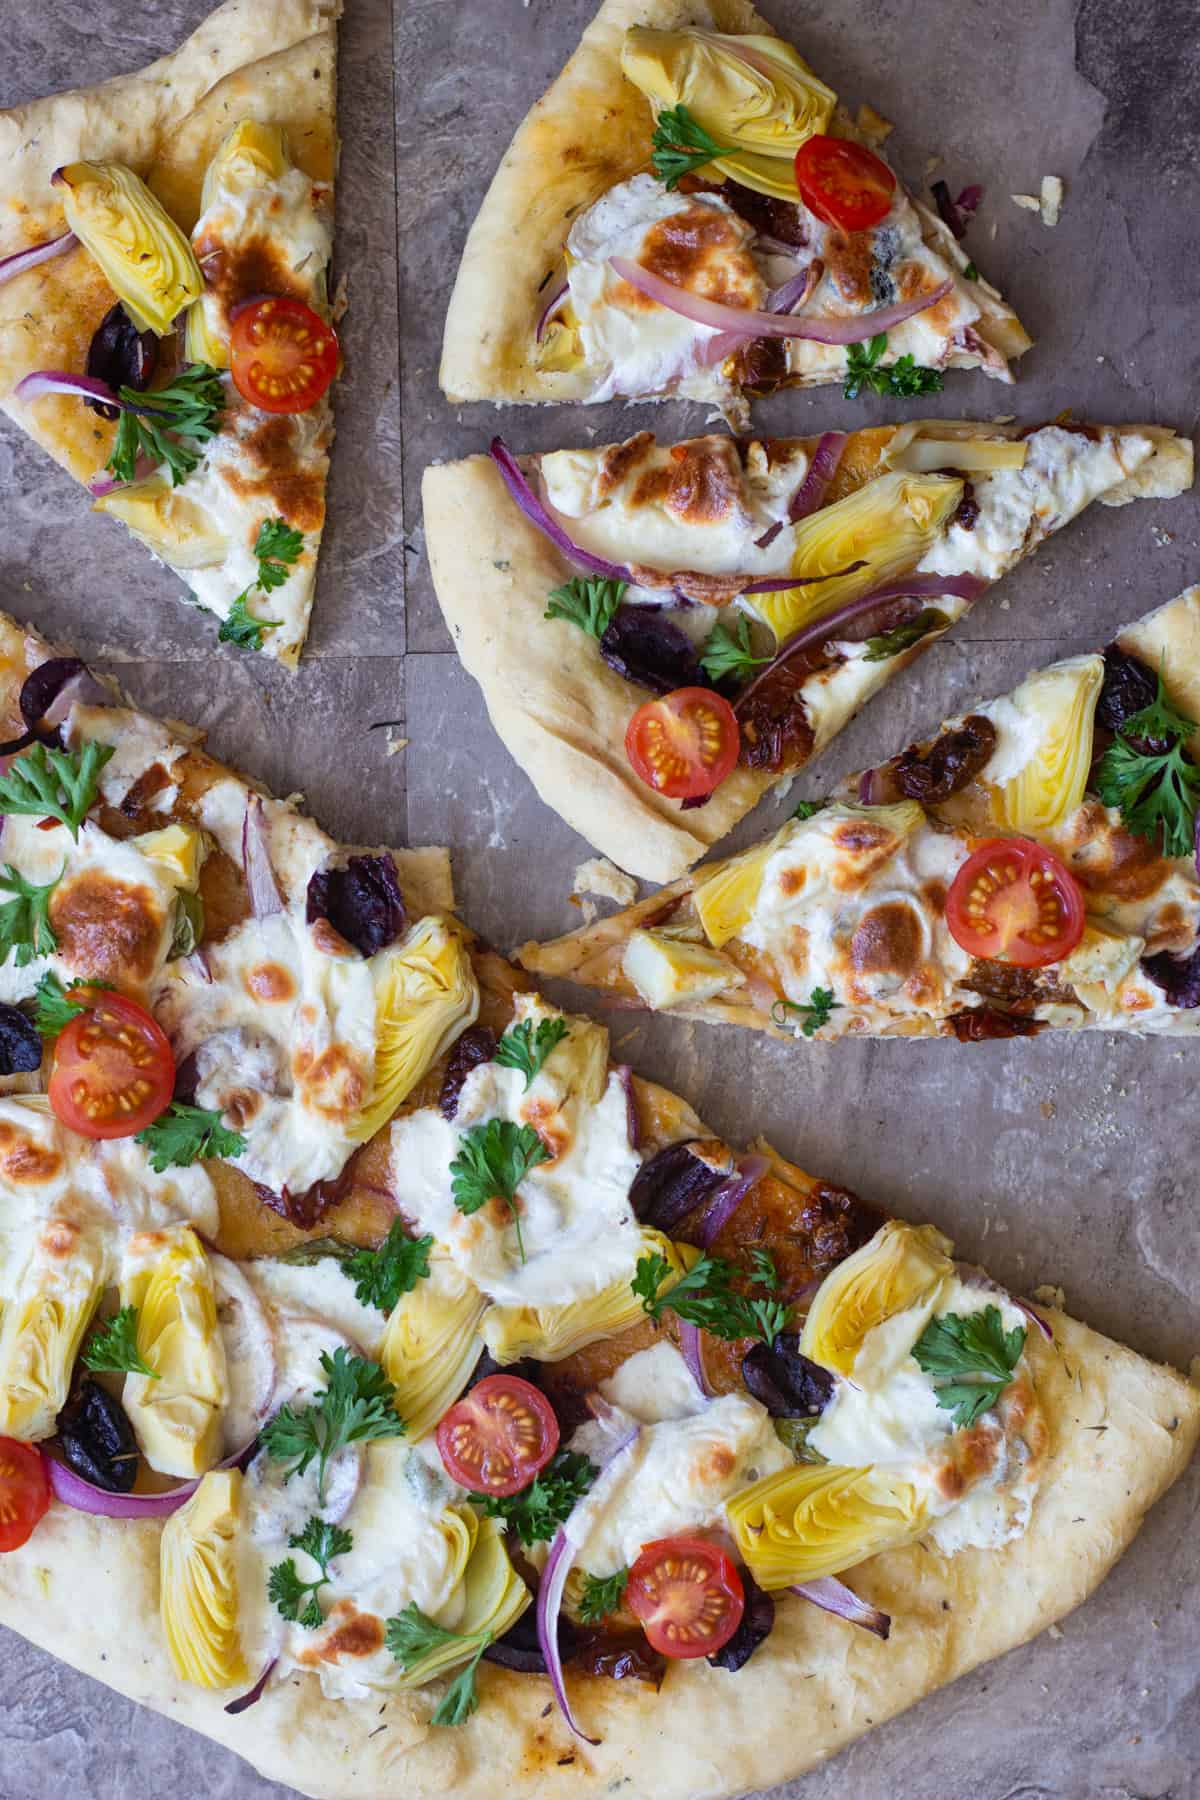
x: 1059, y: 1161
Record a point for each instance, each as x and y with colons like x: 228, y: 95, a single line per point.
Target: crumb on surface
x: 602, y: 878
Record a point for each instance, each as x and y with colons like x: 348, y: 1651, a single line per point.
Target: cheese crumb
x: 600, y: 877
x: 1030, y: 202
x: 1052, y: 199
x: 1050, y: 1295
x: 873, y: 126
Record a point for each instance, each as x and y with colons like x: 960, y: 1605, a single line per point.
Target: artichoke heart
x: 551, y: 1332
x: 181, y: 849
x: 669, y: 972
x: 425, y: 995
x: 170, y: 524
x: 807, y: 1521
x: 42, y: 1328
x: 493, y: 1597
x: 902, y: 1266
x: 925, y: 448
x: 725, y: 902
x: 198, y: 1583
x: 1057, y: 709
x: 177, y: 1417
x: 888, y: 526
x: 145, y: 257
x: 753, y: 93
x: 431, y: 1343
x: 251, y: 155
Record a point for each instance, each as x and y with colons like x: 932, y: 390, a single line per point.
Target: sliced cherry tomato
x: 282, y: 355
x: 687, y: 1594
x: 844, y: 184
x: 24, y: 1492
x: 499, y: 1436
x: 685, y: 744
x: 113, y: 1068
x: 1015, y: 902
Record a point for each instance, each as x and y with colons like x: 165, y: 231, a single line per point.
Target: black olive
x: 98, y: 1441
x: 20, y: 1042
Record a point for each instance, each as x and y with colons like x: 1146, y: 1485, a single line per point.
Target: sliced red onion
x: 61, y: 381
x: 746, y: 322
x: 84, y: 1496
x: 769, y: 535
x: 12, y: 266
x: 874, y: 787
x: 551, y: 307
x: 81, y: 689
x: 775, y: 584
x: 729, y: 1196
x: 821, y: 471
x: 693, y: 1355
x: 103, y: 482
x: 624, y: 1075
x: 518, y: 486
x: 261, y: 885
x: 833, y: 1596
x: 774, y: 246
x: 255, y: 1693
x: 968, y: 201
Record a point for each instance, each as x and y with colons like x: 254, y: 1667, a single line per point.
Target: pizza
x: 1031, y: 867
x: 690, y: 211
x: 663, y: 632
x: 543, y: 1424
x: 165, y: 310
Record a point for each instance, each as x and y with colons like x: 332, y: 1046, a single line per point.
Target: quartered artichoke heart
x: 888, y: 526
x: 927, y: 446
x: 250, y: 156
x: 43, y: 1327
x: 198, y: 1583
x: 145, y: 257
x: 177, y: 1418
x: 493, y: 1599
x: 1054, y: 713
x: 806, y: 1522
x: 668, y: 971
x: 181, y: 849
x: 170, y: 524
x: 725, y: 902
x: 551, y: 1332
x: 754, y: 93
x: 903, y: 1266
x: 431, y: 1343
x: 425, y: 996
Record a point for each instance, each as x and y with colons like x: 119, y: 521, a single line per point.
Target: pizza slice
x: 165, y: 316
x: 565, y: 1433
x: 663, y: 632
x: 1032, y: 867
x: 689, y: 211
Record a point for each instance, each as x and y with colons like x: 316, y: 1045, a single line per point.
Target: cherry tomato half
x: 1015, y: 902
x: 843, y: 184
x: 687, y: 1594
x: 113, y: 1068
x: 24, y: 1492
x: 499, y: 1436
x: 282, y: 355
x: 685, y: 744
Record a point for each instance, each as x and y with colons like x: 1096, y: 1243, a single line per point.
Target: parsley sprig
x: 887, y: 644
x: 904, y: 377
x: 25, y: 929
x: 971, y: 1359
x: 1147, y: 775
x: 536, y: 1513
x: 356, y: 1407
x: 492, y: 1162
x: 183, y: 1134
x: 113, y: 1347
x: 706, y: 1297
x: 242, y: 628
x: 813, y: 1012
x: 728, y: 652
x: 382, y: 1276
x: 55, y: 784
x: 588, y: 603
x: 681, y: 145
x: 53, y: 1006
x: 277, y: 548
x: 602, y: 1596
x: 526, y: 1047
x: 807, y: 809
x: 169, y: 423
x: 322, y: 1542
x: 412, y: 1636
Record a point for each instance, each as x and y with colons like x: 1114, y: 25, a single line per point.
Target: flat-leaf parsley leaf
x: 1146, y: 774
x: 588, y: 603
x: 357, y: 1406
x: 681, y: 145
x: 382, y: 1276
x: 904, y: 378
x: 813, y: 1012
x: 113, y: 1348
x: 536, y: 1513
x: 322, y: 1542
x: 730, y: 653
x: 190, y: 408
x: 25, y: 929
x: 55, y: 784
x: 184, y: 1134
x: 706, y: 1297
x: 492, y: 1162
x: 526, y: 1048
x: 971, y: 1359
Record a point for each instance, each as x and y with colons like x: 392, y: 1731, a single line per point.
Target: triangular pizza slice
x: 662, y: 632
x: 1030, y: 868
x: 688, y: 210
x: 165, y: 317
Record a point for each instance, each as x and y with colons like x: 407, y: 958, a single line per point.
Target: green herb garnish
x: 728, y: 652
x: 492, y: 1162
x: 1146, y: 774
x: 190, y: 408
x: 807, y: 809
x: 54, y: 1007
x: 277, y: 547
x: 585, y: 602
x: 412, y: 1636
x: 971, y: 272
x: 113, y: 1348
x: 536, y: 1513
x: 971, y: 1360
x: 681, y: 144
x: 285, y: 1589
x: 904, y: 377
x: 706, y: 1297
x: 814, y: 1012
x: 25, y: 929
x: 524, y: 1048
x: 357, y: 1407
x: 381, y: 1276
x: 55, y: 784
x: 187, y: 924
x: 184, y: 1134
x: 602, y: 1596
x: 241, y: 628
x: 902, y: 637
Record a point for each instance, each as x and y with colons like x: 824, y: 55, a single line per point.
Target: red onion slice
x: 527, y: 501
x: 624, y: 1075
x: 103, y: 482
x: 746, y: 322
x: 794, y: 292
x: 84, y: 1496
x: 551, y: 307
x: 729, y: 1196
x: 833, y: 1596
x: 693, y: 1355
x: 261, y: 885
x: 61, y: 381
x: 255, y: 1693
x: 12, y: 266
x: 821, y: 471
x: 875, y: 787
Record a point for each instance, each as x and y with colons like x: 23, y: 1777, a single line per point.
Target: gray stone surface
x: 1069, y: 1162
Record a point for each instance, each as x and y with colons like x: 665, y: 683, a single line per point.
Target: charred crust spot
x: 850, y: 257
x: 547, y: 1121
x: 1106, y: 860
x: 791, y: 881
x: 617, y: 461
x: 718, y: 1465
x: 23, y: 1160
x: 105, y: 928
x: 360, y: 1634
x: 888, y: 938
x: 334, y: 1083
x: 295, y: 488
x: 861, y: 837
x: 60, y: 1239
x: 234, y: 272
x: 269, y: 981
x: 692, y: 249
x: 700, y: 483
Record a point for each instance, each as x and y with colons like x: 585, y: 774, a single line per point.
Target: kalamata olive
x: 121, y: 355
x: 785, y: 1381
x: 950, y: 762
x: 1177, y: 976
x: 98, y: 1441
x: 362, y: 902
x: 474, y: 1047
x: 758, y: 1619
x: 644, y: 645
x: 671, y: 1185
x: 1128, y: 687
x: 20, y: 1042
